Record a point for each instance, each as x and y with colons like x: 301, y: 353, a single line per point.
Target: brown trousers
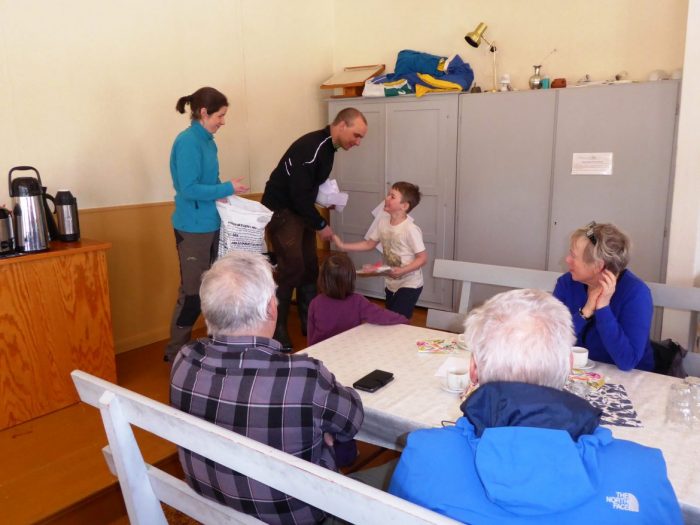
x: 294, y: 244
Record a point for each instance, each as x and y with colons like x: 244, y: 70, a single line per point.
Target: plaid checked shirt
x: 246, y: 385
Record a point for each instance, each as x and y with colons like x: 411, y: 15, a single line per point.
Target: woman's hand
x: 590, y: 307
x: 238, y: 186
x: 338, y: 242
x: 606, y: 284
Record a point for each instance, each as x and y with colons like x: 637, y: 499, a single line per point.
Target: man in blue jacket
x: 527, y: 451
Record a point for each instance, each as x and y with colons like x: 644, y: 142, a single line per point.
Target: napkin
x: 329, y: 194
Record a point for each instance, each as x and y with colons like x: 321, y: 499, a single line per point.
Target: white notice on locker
x: 592, y: 164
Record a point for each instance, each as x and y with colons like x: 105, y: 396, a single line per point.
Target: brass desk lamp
x: 474, y: 39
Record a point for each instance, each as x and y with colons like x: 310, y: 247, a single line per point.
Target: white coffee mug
x: 457, y: 379
x: 580, y: 356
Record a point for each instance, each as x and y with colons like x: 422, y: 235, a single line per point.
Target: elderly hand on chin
x: 600, y: 293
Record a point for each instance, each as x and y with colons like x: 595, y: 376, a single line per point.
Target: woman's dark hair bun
x: 181, y: 102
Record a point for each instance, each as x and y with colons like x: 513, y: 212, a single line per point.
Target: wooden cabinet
x: 54, y: 317
x: 412, y: 140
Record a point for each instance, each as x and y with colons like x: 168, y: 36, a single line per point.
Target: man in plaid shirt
x: 239, y: 380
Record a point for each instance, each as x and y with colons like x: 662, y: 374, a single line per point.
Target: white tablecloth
x: 415, y: 398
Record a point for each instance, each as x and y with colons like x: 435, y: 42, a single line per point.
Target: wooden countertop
x: 57, y: 249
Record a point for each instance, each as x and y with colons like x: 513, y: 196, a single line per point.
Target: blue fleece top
x: 535, y: 455
x: 194, y: 167
x: 618, y: 333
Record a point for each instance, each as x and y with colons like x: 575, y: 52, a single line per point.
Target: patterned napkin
x: 616, y: 405
x: 438, y: 346
x: 613, y: 400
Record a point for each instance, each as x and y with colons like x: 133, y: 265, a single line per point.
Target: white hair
x: 521, y: 335
x: 235, y: 293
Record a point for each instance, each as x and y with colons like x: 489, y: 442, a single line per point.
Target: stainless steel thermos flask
x: 31, y: 233
x: 67, y: 214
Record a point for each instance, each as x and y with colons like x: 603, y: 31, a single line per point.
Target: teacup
x: 580, y: 356
x: 457, y: 379
x: 460, y: 341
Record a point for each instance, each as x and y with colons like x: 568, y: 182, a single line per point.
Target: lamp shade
x: 474, y: 38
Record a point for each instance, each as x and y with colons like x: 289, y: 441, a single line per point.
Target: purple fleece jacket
x: 329, y: 317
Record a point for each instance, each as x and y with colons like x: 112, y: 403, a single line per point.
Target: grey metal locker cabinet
x: 408, y: 139
x: 503, y: 180
x: 636, y: 122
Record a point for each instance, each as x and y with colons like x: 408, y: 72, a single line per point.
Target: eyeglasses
x: 589, y: 232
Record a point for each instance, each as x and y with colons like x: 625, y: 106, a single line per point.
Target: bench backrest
x: 144, y: 486
x: 663, y: 295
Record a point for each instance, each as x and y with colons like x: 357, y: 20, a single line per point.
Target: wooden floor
x: 52, y: 470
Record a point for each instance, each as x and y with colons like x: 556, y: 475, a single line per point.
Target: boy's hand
x: 396, y: 272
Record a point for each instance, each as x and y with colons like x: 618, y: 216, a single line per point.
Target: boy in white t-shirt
x: 402, y: 243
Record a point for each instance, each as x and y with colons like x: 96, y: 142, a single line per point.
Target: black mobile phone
x: 373, y: 381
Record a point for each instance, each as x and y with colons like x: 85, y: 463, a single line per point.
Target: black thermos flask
x: 67, y: 214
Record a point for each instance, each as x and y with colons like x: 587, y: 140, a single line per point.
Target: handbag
x: 668, y: 358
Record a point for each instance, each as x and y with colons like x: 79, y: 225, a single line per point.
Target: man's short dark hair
x: 348, y: 115
x: 337, y: 276
x: 410, y: 193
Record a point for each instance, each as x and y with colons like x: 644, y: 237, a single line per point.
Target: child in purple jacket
x: 338, y: 308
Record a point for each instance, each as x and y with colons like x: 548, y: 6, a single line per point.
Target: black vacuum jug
x: 7, y: 232
x: 67, y: 213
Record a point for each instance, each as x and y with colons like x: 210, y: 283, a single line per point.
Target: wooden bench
x: 663, y: 296
x: 144, y: 486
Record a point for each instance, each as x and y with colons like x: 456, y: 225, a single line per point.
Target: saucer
x: 590, y: 364
x: 458, y: 391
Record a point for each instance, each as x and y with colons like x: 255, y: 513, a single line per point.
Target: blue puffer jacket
x: 530, y: 454
x: 194, y: 166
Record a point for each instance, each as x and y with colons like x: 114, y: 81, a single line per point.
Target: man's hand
x: 326, y: 234
x: 328, y: 439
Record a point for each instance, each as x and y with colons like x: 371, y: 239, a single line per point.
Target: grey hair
x: 521, y: 335
x: 235, y: 293
x: 612, y: 246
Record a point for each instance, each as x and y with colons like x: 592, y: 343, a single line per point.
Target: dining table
x: 418, y: 398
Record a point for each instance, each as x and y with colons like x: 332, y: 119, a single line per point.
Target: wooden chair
x: 145, y: 486
x: 663, y: 296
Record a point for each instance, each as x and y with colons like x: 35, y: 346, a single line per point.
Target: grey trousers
x: 196, y: 252
x: 377, y: 477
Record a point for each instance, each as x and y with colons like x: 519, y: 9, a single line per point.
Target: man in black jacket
x: 291, y: 193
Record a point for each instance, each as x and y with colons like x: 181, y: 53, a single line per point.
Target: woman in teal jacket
x: 194, y: 166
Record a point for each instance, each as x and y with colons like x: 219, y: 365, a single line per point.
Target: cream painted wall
x: 89, y: 88
x: 684, y: 247
x: 598, y: 37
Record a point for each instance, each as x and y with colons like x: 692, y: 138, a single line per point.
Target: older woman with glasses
x: 611, y: 307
